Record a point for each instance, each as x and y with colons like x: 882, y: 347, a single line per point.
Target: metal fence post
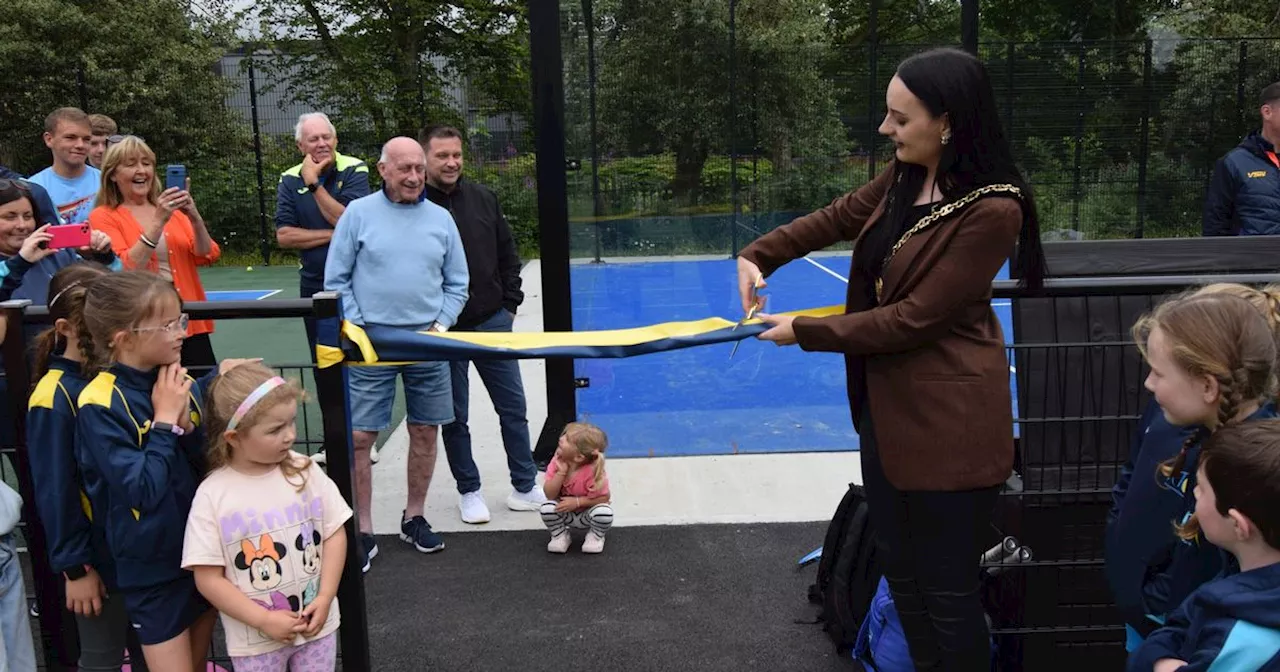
x: 1144, y: 148
x: 1241, y: 74
x: 58, y: 634
x: 82, y: 86
x: 588, y: 17
x: 257, y: 155
x: 733, y: 125
x: 547, y: 73
x: 1079, y: 153
x: 1009, y: 92
x: 873, y: 55
x: 340, y: 455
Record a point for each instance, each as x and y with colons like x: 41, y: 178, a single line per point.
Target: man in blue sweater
x: 397, y: 260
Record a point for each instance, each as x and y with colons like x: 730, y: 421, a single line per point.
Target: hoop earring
x: 946, y: 137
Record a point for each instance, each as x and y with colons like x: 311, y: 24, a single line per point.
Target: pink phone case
x: 70, y: 235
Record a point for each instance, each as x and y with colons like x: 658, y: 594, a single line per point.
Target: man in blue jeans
x: 493, y: 265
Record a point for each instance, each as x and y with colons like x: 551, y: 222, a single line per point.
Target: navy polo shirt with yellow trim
x: 346, y: 180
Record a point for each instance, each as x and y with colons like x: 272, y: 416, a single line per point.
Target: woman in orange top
x: 162, y: 232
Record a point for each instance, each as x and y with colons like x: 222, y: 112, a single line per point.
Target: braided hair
x: 67, y: 289
x: 1226, y: 338
x: 1221, y: 336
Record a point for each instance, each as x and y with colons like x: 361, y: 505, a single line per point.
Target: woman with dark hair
x: 928, y: 377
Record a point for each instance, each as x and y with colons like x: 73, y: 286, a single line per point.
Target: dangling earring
x: 946, y: 137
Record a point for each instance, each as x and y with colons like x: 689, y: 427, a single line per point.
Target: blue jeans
x: 16, y: 645
x: 502, y: 379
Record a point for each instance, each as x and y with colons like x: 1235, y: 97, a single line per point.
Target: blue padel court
x: 699, y: 401
x: 241, y: 294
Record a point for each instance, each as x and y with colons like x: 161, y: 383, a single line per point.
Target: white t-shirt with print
x: 268, y: 536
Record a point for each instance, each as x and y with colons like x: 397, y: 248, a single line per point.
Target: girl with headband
x: 265, y: 536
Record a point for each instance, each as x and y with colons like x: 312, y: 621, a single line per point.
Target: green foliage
x: 663, y: 72
x: 370, y: 64
x: 149, y: 66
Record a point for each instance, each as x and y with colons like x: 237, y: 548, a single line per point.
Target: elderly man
x: 311, y: 197
x: 397, y: 260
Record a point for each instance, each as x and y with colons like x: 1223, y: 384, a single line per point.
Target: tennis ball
x: 248, y: 268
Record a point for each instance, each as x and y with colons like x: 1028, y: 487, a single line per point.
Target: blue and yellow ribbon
x: 373, y: 345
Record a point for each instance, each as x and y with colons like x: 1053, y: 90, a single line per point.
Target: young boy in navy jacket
x: 1233, y: 623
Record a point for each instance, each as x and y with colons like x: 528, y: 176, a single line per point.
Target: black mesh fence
x: 690, y: 138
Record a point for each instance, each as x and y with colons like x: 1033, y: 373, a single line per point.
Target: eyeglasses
x: 21, y: 185
x: 178, y: 325
x: 117, y: 139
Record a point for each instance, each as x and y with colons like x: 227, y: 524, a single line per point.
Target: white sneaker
x: 474, y: 510
x: 526, y: 501
x: 319, y: 458
x: 594, y: 543
x: 559, y: 543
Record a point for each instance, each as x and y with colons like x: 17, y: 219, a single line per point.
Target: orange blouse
x: 179, y: 236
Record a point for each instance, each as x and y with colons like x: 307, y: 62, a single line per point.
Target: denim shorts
x: 428, y: 394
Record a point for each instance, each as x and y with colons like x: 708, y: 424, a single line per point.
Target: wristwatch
x: 166, y: 427
x: 313, y: 186
x: 76, y: 573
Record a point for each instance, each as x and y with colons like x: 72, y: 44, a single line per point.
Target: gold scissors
x: 755, y: 307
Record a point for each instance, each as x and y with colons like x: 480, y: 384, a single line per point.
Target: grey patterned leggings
x: 598, y: 519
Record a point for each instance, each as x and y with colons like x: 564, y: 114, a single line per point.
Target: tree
x: 149, y: 65
x: 386, y: 66
x: 664, y: 70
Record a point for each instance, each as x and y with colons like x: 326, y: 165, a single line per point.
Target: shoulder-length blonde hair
x: 129, y: 149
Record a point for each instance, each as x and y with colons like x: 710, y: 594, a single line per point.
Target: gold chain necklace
x: 936, y: 216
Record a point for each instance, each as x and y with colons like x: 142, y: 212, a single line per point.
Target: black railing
x: 57, y: 629
x: 1079, y: 393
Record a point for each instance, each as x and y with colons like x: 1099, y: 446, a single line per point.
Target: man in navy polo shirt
x: 311, y: 197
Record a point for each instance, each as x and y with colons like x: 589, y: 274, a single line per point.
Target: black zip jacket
x: 492, y: 259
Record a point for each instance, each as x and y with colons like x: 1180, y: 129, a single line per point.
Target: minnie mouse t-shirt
x: 267, y: 535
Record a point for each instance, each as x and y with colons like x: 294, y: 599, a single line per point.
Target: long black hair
x: 955, y: 83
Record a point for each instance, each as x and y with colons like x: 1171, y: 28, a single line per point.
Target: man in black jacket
x: 1244, y: 197
x: 494, y: 265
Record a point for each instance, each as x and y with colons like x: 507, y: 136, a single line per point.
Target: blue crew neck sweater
x: 397, y: 264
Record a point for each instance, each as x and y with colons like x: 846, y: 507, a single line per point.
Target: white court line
x: 828, y: 271
x: 268, y: 295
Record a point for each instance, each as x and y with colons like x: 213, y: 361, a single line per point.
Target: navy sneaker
x: 417, y: 531
x: 370, y: 547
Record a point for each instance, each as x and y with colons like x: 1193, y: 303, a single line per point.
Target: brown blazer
x: 937, y: 376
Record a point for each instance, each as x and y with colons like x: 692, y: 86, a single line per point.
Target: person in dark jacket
x: 77, y: 547
x: 494, y: 267
x: 26, y: 266
x: 1231, y: 624
x: 1243, y: 198
x: 1212, y: 355
x: 1150, y: 571
x: 45, y: 211
x: 140, y: 450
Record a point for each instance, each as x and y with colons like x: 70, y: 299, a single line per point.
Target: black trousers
x: 930, y: 544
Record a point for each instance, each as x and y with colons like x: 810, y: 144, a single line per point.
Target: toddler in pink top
x: 578, y: 489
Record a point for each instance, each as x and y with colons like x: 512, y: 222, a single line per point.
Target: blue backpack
x: 881, y: 645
